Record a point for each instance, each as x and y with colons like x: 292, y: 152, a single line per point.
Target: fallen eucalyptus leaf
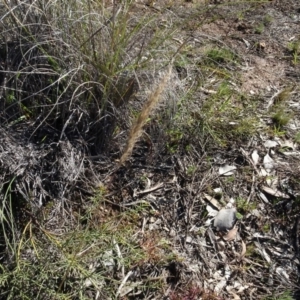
x: 274, y: 192
x: 281, y: 272
x: 263, y: 197
x: 218, y: 288
x: 270, y: 144
x: 227, y: 170
x: 211, y: 212
x: 218, y: 191
x: 291, y: 153
x: 262, y: 172
x: 243, y: 251
x: 288, y: 144
x: 268, y: 163
x: 255, y: 157
x: 213, y: 201
x: 261, y: 250
x: 231, y: 235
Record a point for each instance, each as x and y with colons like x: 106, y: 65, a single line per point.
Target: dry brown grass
x: 136, y: 128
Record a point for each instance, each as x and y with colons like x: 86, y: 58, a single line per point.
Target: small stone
x: 225, y: 218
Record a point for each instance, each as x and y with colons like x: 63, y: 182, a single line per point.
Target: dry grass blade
x: 244, y: 249
x: 137, y: 127
x: 231, y: 235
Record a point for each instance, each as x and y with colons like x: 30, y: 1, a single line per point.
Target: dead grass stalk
x: 136, y: 128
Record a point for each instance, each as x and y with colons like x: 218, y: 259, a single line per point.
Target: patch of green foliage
x: 259, y: 28
x: 287, y: 295
x: 82, y: 260
x: 281, y: 118
x: 224, y: 115
x: 294, y: 48
x: 218, y: 55
x: 243, y: 206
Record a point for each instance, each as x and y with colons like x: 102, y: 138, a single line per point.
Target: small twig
x: 123, y: 282
x: 84, y: 251
x: 271, y: 101
x: 252, y: 189
x: 119, y: 256
x: 206, y: 91
x: 152, y: 189
x: 249, y: 160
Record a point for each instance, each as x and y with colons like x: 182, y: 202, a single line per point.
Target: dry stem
x: 137, y: 127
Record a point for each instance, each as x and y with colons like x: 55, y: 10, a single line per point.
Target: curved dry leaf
x: 281, y: 272
x: 255, y: 157
x: 244, y: 249
x: 289, y: 144
x: 227, y: 170
x: 262, y: 173
x: 270, y: 144
x: 211, y: 212
x: 274, y: 192
x: 231, y: 235
x: 268, y: 163
x: 213, y: 201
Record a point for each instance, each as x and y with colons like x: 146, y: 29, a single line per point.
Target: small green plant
x: 259, y: 29
x: 287, y: 295
x: 281, y: 118
x: 267, y: 20
x: 191, y: 170
x: 294, y: 48
x: 283, y: 96
x: 220, y: 55
x: 81, y: 259
x: 250, y: 250
x: 266, y: 227
x: 297, y: 137
x: 243, y: 206
x: 175, y: 136
x: 240, y: 15
x: 239, y: 216
x: 277, y: 131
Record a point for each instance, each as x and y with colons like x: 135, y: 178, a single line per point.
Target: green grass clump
x: 219, y: 55
x: 224, y: 115
x: 297, y: 137
x: 259, y: 28
x: 287, y: 295
x: 91, y: 59
x: 294, y: 49
x: 281, y: 118
x: 267, y: 20
x: 243, y: 206
x: 84, y: 260
x: 227, y: 116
